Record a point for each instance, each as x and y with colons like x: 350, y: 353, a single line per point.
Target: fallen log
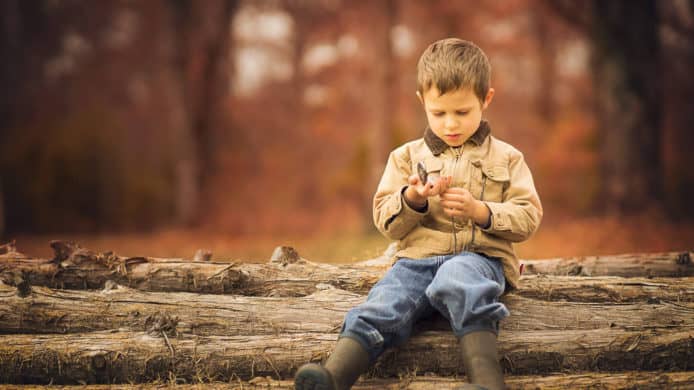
x: 74, y: 267
x: 606, y: 288
x: 77, y: 268
x: 70, y: 311
x: 622, y: 380
x: 133, y: 357
x: 47, y: 310
x: 668, y: 264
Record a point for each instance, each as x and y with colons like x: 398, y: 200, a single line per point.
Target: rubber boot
x: 481, y: 361
x: 344, y: 366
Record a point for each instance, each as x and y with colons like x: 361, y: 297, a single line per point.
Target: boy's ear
x: 488, y: 98
x: 421, y: 99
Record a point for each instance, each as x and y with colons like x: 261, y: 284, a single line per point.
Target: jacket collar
x: 438, y: 146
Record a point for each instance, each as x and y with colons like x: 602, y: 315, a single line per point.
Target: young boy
x: 455, y: 223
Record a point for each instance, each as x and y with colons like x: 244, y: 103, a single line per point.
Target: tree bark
x: 69, y: 311
x: 124, y: 356
x: 632, y: 379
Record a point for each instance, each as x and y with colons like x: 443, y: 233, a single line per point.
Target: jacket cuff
x: 407, y: 212
x: 500, y: 219
x: 401, y: 215
x: 488, y: 224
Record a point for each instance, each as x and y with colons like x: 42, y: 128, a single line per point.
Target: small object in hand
x: 422, y: 172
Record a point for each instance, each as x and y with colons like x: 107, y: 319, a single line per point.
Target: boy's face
x: 455, y: 115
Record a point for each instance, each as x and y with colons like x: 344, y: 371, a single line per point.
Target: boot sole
x: 313, y: 377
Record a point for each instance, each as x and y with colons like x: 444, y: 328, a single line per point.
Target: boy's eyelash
x: 457, y: 113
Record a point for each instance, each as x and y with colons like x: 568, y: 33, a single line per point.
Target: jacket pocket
x: 495, y: 180
x: 434, y: 165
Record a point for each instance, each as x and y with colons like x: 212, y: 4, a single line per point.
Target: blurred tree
x: 109, y: 110
x: 203, y: 47
x: 543, y: 29
x: 384, y: 99
x: 677, y: 33
x: 628, y: 77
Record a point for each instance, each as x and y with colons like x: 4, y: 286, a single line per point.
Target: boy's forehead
x: 463, y: 95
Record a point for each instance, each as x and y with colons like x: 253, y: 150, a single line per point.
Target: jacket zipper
x: 484, y: 184
x: 457, y: 154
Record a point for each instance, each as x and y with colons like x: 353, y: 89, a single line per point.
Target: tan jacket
x: 493, y: 171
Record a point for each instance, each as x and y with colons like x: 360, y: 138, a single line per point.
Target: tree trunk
x: 627, y: 79
x: 69, y: 311
x: 677, y: 34
x: 122, y: 356
x: 202, y: 53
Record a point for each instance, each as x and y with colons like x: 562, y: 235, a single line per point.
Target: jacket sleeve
x: 392, y: 215
x: 519, y: 214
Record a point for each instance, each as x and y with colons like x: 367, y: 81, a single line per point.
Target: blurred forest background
x: 158, y: 127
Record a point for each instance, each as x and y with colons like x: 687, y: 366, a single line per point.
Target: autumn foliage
x: 253, y: 117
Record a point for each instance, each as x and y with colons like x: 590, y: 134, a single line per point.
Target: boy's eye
x: 438, y: 113
x: 461, y: 112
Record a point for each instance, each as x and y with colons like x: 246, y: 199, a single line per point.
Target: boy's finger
x: 444, y: 186
x: 452, y: 196
x: 457, y: 190
x: 435, y: 186
x: 453, y: 212
x: 452, y: 205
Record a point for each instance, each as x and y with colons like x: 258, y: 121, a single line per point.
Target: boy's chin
x: 454, y: 144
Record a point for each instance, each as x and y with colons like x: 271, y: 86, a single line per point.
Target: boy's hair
x: 451, y: 64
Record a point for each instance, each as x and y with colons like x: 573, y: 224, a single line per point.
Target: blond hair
x: 451, y: 64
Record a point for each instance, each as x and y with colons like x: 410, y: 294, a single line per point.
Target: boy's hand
x: 417, y: 192
x: 458, y: 202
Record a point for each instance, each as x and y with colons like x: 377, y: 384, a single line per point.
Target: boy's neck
x: 438, y: 146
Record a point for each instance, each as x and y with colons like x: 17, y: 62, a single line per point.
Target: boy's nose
x: 451, y: 122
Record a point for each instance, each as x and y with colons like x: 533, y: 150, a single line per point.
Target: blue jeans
x: 464, y: 288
